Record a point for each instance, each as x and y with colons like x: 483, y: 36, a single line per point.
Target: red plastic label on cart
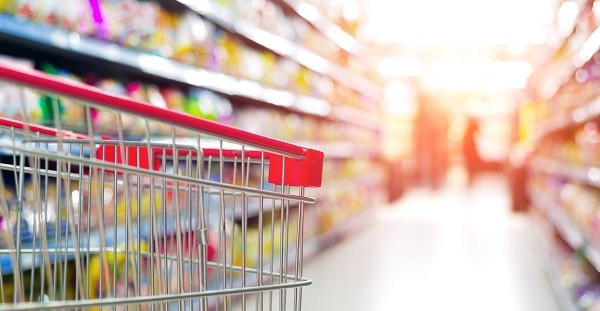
x: 307, y: 172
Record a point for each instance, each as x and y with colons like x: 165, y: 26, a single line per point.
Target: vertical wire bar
x: 18, y: 276
x: 300, y: 251
x: 230, y: 220
x: 210, y: 208
x: 154, y: 241
x: 261, y: 247
x: 17, y: 269
x: 125, y: 161
x: 58, y: 231
x: 203, y: 252
x: 190, y: 228
x: 91, y: 206
x: 167, y: 267
x: 178, y: 238
x: 244, y: 228
x: 138, y: 256
x: 69, y: 228
x: 222, y: 228
x: 43, y: 205
x: 69, y: 233
x: 9, y: 233
x: 115, y: 228
x: 40, y: 219
x: 233, y: 227
x: 5, y: 214
x: 287, y: 235
x: 36, y: 207
x: 281, y: 239
x: 71, y: 219
x: 81, y: 199
x: 272, y: 254
x: 46, y: 269
x: 104, y: 271
x: 128, y: 204
x: 103, y: 255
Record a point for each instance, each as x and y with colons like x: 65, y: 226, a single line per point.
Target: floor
x: 450, y: 249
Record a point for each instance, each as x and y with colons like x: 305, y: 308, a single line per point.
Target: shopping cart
x: 135, y: 206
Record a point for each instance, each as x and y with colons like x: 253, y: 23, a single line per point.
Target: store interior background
x: 462, y: 60
x: 387, y: 89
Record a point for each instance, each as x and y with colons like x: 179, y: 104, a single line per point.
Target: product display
x: 559, y: 120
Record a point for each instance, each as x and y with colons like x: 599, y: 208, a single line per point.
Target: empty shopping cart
x: 113, y: 203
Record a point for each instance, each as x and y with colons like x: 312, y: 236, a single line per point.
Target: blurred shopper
x: 471, y: 157
x: 431, y: 143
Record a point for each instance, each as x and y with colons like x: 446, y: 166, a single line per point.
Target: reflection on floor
x: 450, y: 249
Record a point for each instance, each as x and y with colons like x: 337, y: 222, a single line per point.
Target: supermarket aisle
x: 453, y: 249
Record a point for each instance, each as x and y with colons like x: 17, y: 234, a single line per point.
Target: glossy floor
x: 450, y: 249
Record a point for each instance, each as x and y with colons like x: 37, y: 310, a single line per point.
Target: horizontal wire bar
x: 155, y: 174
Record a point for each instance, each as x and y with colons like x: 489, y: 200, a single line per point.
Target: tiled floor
x: 451, y: 249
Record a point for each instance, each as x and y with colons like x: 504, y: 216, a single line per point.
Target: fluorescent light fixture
x: 350, y: 12
x: 250, y: 89
x: 273, y: 42
x: 495, y: 75
x: 458, y: 21
x: 278, y: 97
x: 567, y: 16
x: 312, y: 105
x: 157, y: 65
x: 341, y: 38
x: 313, y: 61
x: 309, y: 12
x: 589, y: 48
x: 400, y: 67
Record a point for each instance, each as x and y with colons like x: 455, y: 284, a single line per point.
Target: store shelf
x: 581, y: 115
x: 589, y: 175
x: 368, y: 119
x: 332, y: 31
x: 551, y: 267
x: 582, y: 53
x: 73, y: 44
x: 314, y: 245
x: 566, y: 227
x: 228, y: 20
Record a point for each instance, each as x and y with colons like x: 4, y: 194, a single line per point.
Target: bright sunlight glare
x: 459, y: 21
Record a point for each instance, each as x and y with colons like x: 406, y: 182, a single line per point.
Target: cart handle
x: 303, y: 166
x: 304, y: 172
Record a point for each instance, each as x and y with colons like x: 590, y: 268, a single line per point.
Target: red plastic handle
x: 305, y: 172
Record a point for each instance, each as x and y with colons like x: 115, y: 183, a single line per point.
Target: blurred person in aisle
x: 431, y: 143
x: 471, y: 157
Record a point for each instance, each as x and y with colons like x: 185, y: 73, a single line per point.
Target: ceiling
x: 474, y: 51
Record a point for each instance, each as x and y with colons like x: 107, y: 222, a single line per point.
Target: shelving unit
x: 560, y: 109
x: 542, y: 245
x: 566, y: 227
x: 312, y: 15
x: 73, y: 44
x: 589, y: 175
x: 283, y: 47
